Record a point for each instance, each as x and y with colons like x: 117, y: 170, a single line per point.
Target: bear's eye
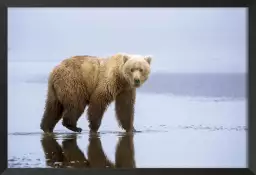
x: 140, y: 70
x: 132, y: 70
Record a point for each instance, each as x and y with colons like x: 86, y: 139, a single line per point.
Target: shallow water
x: 194, y: 120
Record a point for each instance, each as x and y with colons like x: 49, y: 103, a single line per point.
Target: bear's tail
x: 52, y: 112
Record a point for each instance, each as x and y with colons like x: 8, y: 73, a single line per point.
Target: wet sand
x: 195, y: 120
x: 149, y: 148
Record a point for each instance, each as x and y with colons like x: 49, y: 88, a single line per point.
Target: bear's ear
x: 125, y: 58
x: 148, y: 59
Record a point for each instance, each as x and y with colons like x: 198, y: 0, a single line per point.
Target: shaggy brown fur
x: 85, y: 80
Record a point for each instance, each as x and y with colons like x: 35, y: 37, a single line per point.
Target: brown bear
x: 95, y: 82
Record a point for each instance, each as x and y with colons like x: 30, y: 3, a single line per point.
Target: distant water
x: 226, y: 85
x: 183, y: 119
x: 222, y: 85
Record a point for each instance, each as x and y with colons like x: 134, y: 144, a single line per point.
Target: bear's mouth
x: 136, y: 85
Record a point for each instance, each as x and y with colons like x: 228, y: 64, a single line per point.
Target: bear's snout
x: 136, y: 81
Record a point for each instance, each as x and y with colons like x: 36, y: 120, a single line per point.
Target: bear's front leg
x: 97, y: 106
x: 124, y: 107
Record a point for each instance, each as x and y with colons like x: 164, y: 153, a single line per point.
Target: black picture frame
x: 138, y: 3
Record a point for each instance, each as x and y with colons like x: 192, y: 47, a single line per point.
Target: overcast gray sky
x: 180, y: 39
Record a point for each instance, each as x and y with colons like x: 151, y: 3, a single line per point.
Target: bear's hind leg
x: 70, y: 118
x: 52, y: 114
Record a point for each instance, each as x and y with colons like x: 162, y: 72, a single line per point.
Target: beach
x: 182, y: 120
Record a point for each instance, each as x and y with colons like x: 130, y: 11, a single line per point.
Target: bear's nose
x: 137, y: 81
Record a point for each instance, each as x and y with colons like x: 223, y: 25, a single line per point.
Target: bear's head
x: 136, y: 69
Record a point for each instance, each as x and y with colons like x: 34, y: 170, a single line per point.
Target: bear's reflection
x: 96, y: 155
x: 70, y: 156
x: 74, y: 156
x: 53, y: 152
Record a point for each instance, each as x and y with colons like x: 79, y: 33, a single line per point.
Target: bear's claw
x: 70, y: 127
